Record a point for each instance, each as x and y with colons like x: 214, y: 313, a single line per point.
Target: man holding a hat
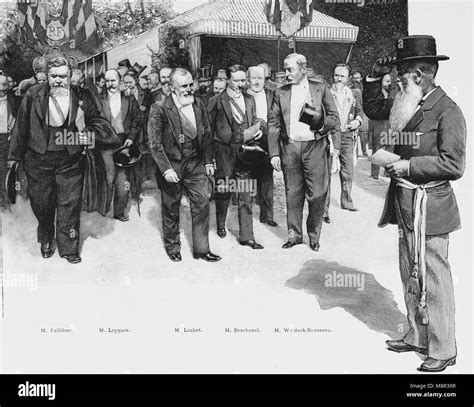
x: 123, y: 113
x: 235, y: 126
x: 302, y: 113
x: 429, y: 133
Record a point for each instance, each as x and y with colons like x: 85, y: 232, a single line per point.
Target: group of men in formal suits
x: 244, y: 131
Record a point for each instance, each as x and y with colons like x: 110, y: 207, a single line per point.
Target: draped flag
x: 67, y: 25
x: 289, y: 16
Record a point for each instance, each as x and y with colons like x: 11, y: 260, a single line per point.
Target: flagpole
x: 278, y: 53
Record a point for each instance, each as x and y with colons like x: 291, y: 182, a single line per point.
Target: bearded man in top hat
x: 180, y: 141
x: 429, y: 133
x: 53, y: 162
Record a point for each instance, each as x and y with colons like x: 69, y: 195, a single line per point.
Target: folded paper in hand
x: 383, y: 157
x: 252, y: 133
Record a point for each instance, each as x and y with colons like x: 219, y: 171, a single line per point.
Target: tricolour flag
x: 287, y: 12
x: 72, y: 28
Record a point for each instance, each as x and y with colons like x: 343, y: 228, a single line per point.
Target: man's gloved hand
x: 276, y: 163
x: 171, y: 176
x: 11, y: 163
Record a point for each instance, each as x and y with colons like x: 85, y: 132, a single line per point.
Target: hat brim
x: 431, y: 57
x: 132, y: 162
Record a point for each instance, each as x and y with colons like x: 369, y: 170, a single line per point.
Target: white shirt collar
x: 304, y: 82
x: 429, y: 93
x: 232, y: 93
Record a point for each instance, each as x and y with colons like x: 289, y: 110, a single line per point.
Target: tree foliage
x: 379, y: 22
x: 173, y: 52
x: 118, y: 21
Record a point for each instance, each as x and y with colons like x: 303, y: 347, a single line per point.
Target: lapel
x: 10, y: 105
x: 106, y: 106
x: 141, y: 95
x: 73, y: 106
x: 173, y: 117
x: 428, y: 105
x: 269, y: 93
x: 197, y: 115
x: 41, y: 106
x: 42, y: 102
x: 285, y: 100
x: 125, y: 105
x: 226, y: 105
x: 248, y: 109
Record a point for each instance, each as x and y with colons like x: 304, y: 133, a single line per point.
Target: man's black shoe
x: 314, y: 247
x: 47, y: 250
x: 434, y: 365
x: 327, y: 219
x: 252, y: 243
x: 221, y: 232
x: 122, y: 218
x: 211, y: 257
x: 289, y: 245
x: 175, y: 257
x: 400, y: 346
x: 72, y: 258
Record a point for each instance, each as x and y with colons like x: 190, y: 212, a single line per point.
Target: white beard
x: 59, y: 91
x: 186, y: 100
x: 339, y: 86
x: 405, y: 105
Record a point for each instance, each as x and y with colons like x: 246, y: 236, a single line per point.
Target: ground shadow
x: 94, y: 225
x: 338, y: 286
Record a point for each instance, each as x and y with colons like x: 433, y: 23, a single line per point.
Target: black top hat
x: 10, y: 183
x: 417, y: 47
x: 125, y: 62
x: 138, y: 68
x: 204, y: 73
x: 126, y: 157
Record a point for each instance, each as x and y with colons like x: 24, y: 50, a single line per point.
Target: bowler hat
x: 126, y: 157
x: 417, y: 47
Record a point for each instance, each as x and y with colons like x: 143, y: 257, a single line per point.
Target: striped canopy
x: 246, y: 18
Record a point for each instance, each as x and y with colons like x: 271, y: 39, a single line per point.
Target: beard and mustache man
x: 180, y: 141
x: 55, y: 168
x: 405, y: 103
x: 420, y: 199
